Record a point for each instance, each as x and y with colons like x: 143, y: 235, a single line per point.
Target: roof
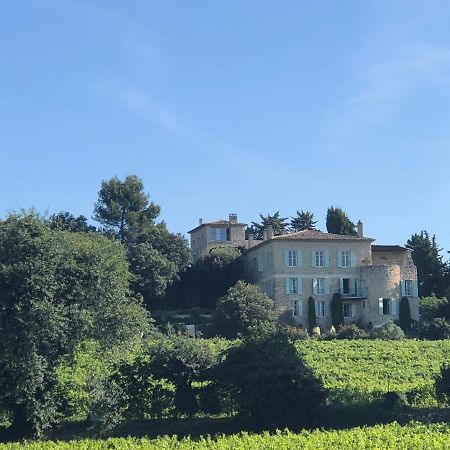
x: 217, y: 223
x: 313, y: 235
x: 388, y: 248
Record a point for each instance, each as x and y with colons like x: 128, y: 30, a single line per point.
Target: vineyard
x: 364, y: 369
x: 387, y: 437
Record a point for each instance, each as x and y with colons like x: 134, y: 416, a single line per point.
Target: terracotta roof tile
x: 316, y: 235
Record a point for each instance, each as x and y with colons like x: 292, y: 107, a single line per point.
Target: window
x: 320, y: 259
x: 218, y: 234
x: 386, y: 306
x: 345, y: 259
x: 345, y: 286
x: 292, y: 258
x: 408, y: 288
x: 320, y: 286
x: 293, y: 286
x: 297, y: 308
x: 320, y: 309
x: 347, y: 310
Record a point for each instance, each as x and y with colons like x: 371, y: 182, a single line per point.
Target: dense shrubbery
x: 435, y: 330
x: 387, y: 332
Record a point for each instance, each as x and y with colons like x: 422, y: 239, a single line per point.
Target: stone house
x: 292, y: 267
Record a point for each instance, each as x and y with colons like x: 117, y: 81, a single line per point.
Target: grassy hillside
x: 364, y: 369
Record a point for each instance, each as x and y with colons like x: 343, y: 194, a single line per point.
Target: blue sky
x: 233, y: 106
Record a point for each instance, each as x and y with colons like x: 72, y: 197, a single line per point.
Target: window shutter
x: 314, y: 286
x: 317, y: 308
x: 353, y: 310
x: 260, y: 263
x: 339, y: 259
x: 341, y: 285
x: 300, y: 308
x: 300, y: 258
x: 415, y: 288
x: 327, y: 286
x: 380, y: 306
x: 286, y: 258
x: 393, y: 307
x: 326, y: 255
x: 352, y: 259
x: 300, y: 285
x: 313, y: 258
x: 402, y: 288
x: 287, y: 286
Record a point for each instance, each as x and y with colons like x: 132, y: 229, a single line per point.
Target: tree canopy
x: 304, y: 220
x: 278, y: 225
x: 338, y: 222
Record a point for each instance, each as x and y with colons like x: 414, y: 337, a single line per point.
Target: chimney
x: 232, y: 218
x: 360, y: 229
x: 264, y: 235
x: 269, y: 232
x: 200, y: 221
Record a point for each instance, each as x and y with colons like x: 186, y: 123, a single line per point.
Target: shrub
x: 312, y: 321
x: 337, y: 310
x: 405, y: 315
x: 391, y: 400
x: 295, y: 333
x: 243, y: 311
x: 442, y: 384
x: 435, y: 330
x: 387, y: 331
x: 350, y: 332
x: 433, y: 307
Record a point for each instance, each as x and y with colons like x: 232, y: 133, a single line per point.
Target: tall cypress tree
x: 311, y: 314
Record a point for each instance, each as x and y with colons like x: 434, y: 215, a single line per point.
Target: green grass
x: 393, y: 436
x: 365, y: 369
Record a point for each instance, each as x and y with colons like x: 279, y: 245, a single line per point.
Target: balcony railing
x: 360, y: 292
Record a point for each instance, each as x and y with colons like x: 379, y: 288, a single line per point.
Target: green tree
x: 245, y: 310
x: 431, y: 269
x: 338, y: 222
x: 405, y: 315
x: 209, y: 278
x: 278, y: 225
x: 303, y: 221
x: 68, y: 222
x: 337, y: 310
x: 312, y: 321
x: 124, y: 208
x: 270, y: 383
x: 433, y: 307
x: 57, y: 288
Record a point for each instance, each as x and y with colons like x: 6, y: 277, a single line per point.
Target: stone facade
x: 371, y: 279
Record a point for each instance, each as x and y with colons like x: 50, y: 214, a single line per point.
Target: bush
x: 295, y: 333
x: 243, y: 311
x: 433, y: 307
x: 392, y: 400
x: 435, y: 330
x: 350, y: 332
x: 442, y: 384
x: 388, y: 331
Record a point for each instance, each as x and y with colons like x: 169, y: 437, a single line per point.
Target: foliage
x: 338, y: 222
x: 350, y: 332
x: 442, y: 384
x: 431, y: 270
x: 264, y: 375
x: 387, y: 331
x: 245, y: 310
x: 312, y: 321
x: 303, y: 221
x: 64, y: 221
x: 337, y: 310
x: 58, y: 288
x: 436, y: 329
x: 433, y: 307
x: 209, y: 278
x: 390, y: 436
x: 123, y: 207
x: 405, y: 315
x: 295, y: 333
x: 278, y: 225
x: 361, y: 370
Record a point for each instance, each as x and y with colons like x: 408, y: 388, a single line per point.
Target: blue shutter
x: 402, y: 288
x: 313, y: 258
x: 415, y: 288
x: 300, y: 308
x: 353, y: 310
x: 300, y: 258
x: 287, y: 285
x: 327, y: 286
x: 286, y: 258
x: 300, y: 285
x: 326, y: 255
x: 380, y: 306
x: 341, y: 285
x: 314, y: 286
x: 339, y: 258
x: 317, y: 308
x: 352, y: 259
x: 393, y: 307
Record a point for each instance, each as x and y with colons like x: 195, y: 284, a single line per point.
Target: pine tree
x: 303, y: 221
x: 339, y: 223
